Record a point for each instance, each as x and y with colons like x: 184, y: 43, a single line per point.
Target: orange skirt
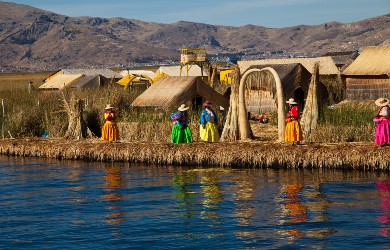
x: 110, y: 132
x: 293, y: 132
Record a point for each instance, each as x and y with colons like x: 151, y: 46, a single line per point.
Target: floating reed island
x: 253, y: 154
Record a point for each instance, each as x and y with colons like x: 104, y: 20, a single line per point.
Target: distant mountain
x: 34, y: 39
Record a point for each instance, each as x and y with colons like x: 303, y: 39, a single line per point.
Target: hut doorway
x: 299, y: 97
x: 197, y: 102
x: 276, y: 90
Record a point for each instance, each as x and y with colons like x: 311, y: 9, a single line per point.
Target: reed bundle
x: 310, y: 111
x: 238, y: 154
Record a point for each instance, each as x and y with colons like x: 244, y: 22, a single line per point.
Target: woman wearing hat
x: 181, y: 133
x: 110, y: 130
x: 382, y: 130
x: 208, y: 124
x: 293, y: 131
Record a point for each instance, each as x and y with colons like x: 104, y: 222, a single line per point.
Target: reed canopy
x: 368, y: 77
x: 171, y: 91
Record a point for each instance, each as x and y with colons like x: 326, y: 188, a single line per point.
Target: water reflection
x: 183, y: 193
x: 114, y: 182
x: 384, y: 196
x: 301, y: 201
x: 185, y: 208
x: 212, y: 196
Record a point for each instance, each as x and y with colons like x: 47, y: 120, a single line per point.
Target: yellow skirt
x: 293, y: 132
x: 209, y: 133
x: 110, y: 132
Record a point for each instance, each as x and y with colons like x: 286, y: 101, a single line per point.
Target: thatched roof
x: 171, y: 91
x: 327, y: 65
x: 92, y: 81
x: 194, y: 70
x: 107, y: 73
x: 147, y: 73
x: 60, y: 81
x: 343, y: 57
x: 374, y: 60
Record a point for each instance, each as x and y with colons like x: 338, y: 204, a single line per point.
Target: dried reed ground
x: 238, y: 154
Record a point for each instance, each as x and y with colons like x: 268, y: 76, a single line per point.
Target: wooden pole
x: 3, y: 120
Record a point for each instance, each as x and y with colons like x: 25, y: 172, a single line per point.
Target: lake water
x: 49, y: 204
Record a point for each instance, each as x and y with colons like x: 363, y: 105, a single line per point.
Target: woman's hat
x: 291, y: 101
x: 382, y: 102
x: 109, y: 106
x: 207, y: 104
x: 183, y: 107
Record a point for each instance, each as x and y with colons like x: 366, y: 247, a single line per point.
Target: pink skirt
x: 382, y: 132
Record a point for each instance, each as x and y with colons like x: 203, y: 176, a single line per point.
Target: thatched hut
x: 368, y: 77
x: 261, y: 90
x: 329, y: 74
x: 87, y: 78
x: 60, y: 81
x: 342, y: 58
x: 171, y: 91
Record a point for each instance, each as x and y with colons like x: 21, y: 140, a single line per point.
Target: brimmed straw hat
x: 109, y: 106
x: 382, y: 102
x: 207, y: 104
x: 183, y: 107
x: 291, y: 101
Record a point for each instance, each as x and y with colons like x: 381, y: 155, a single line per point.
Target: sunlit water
x: 48, y: 204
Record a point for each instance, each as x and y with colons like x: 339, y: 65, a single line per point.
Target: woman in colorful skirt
x: 293, y: 131
x: 208, y: 124
x: 181, y: 133
x: 382, y: 130
x: 110, y: 130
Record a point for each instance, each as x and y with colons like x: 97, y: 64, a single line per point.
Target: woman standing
x: 181, y: 133
x: 382, y: 130
x: 293, y: 131
x: 208, y: 124
x: 110, y: 130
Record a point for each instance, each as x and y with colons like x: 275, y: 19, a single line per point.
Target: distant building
x: 80, y: 78
x: 368, y: 77
x: 343, y: 58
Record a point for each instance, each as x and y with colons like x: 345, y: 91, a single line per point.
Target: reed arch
x: 242, y: 114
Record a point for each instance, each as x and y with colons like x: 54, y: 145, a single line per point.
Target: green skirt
x: 181, y: 135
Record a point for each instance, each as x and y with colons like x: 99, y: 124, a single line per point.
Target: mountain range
x: 33, y: 39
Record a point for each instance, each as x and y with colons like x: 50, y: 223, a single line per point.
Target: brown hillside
x: 35, y: 39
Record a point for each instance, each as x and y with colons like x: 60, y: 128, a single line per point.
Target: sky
x: 268, y: 13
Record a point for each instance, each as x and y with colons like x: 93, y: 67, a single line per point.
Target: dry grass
x: 238, y: 155
x: 20, y: 80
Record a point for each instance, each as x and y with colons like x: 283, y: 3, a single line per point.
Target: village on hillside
x: 350, y: 76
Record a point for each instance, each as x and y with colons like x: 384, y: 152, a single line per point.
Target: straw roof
x: 171, y: 91
x: 327, y: 65
x: 60, y: 81
x: 374, y: 60
x: 147, y: 73
x: 343, y: 57
x: 107, y: 73
x: 92, y: 81
x: 194, y: 70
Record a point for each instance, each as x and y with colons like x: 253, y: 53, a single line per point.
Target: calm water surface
x: 49, y: 204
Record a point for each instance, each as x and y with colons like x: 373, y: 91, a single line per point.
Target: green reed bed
x: 346, y: 122
x: 31, y: 114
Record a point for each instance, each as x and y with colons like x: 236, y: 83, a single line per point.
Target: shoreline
x: 251, y: 154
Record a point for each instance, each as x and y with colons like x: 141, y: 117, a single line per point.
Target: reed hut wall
x: 171, y: 91
x: 367, y: 87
